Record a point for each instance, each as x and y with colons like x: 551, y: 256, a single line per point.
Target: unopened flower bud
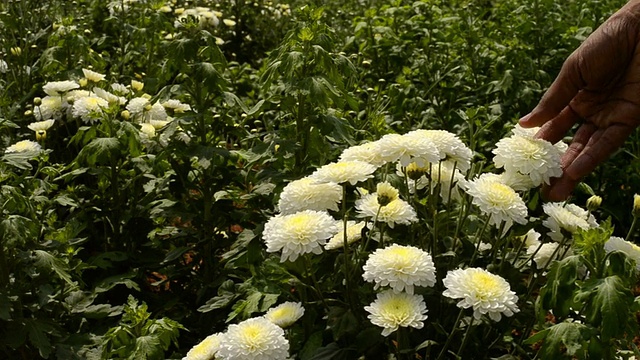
x: 41, y: 135
x: 16, y: 51
x: 386, y: 193
x: 125, y: 114
x: 148, y: 107
x: 137, y: 85
x: 83, y: 82
x: 593, y: 203
x: 636, y: 205
x: 28, y: 113
x: 37, y: 101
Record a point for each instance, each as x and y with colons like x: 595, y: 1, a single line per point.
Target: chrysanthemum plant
x: 420, y: 254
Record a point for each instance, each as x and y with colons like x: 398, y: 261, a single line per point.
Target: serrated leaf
x: 607, y: 305
x: 147, y: 347
x: 48, y: 262
x: 38, y: 337
x: 99, y: 151
x: 557, y: 293
x: 572, y: 337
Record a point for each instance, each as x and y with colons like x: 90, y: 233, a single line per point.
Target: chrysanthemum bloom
x: 285, y: 314
x: 498, y: 200
x: 406, y: 149
x: 344, y: 171
x: 300, y: 233
x: 50, y: 107
x: 147, y: 130
x: 531, y: 133
x: 136, y: 106
x: 567, y: 217
x: 120, y: 89
x: 537, y: 158
x: 89, y: 108
x: 630, y: 249
x: 450, y: 147
x: 256, y: 338
x: 400, y: 267
x: 386, y: 193
x: 531, y: 238
x: 111, y: 98
x: 354, y: 233
x: 485, y: 292
x: 450, y: 179
x: 159, y: 124
x: 23, y: 146
x: 41, y: 127
x: 397, y: 211
x: 517, y: 181
x: 176, y: 106
x: 367, y: 152
x: 57, y: 88
x: 546, y: 252
x: 137, y: 85
x: 92, y: 75
x: 308, y: 194
x: 392, y: 310
x: 206, y: 349
x: 3, y: 66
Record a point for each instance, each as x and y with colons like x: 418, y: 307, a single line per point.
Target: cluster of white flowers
x: 204, y: 16
x: 256, y: 338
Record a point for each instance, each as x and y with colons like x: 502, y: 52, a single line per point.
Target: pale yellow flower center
x: 252, y: 336
x: 530, y: 148
x: 501, y: 194
x: 402, y: 257
x: 485, y: 285
x: 397, y: 310
x: 299, y: 225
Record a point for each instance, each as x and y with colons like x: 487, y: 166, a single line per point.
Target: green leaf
x: 311, y: 346
x: 147, y: 347
x: 48, y: 262
x: 99, y: 151
x: 37, y: 336
x: 557, y: 293
x: 607, y: 305
x: 569, y: 336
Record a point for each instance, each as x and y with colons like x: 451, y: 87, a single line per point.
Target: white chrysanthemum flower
x: 41, y: 125
x: 544, y: 252
x: 400, y: 267
x: 300, y: 233
x: 498, y: 200
x: 57, y: 88
x: 344, y: 171
x: 51, y: 107
x: 450, y: 180
x: 517, y: 181
x: 147, y: 130
x: 531, y: 238
x: 159, y: 124
x: 120, y: 89
x: 89, y: 108
x: 308, y: 194
x: 531, y: 133
x: 450, y: 147
x: 567, y: 217
x: 111, y: 98
x: 537, y: 158
x: 256, y: 338
x: 396, y: 212
x: 3, y: 66
x: 92, y: 75
x: 285, y: 314
x: 354, y: 233
x: 485, y: 292
x: 23, y: 146
x: 392, y: 310
x: 206, y: 349
x: 176, y: 106
x: 157, y: 112
x: 75, y: 95
x: 367, y: 152
x: 407, y: 149
x: 136, y: 106
x: 630, y: 249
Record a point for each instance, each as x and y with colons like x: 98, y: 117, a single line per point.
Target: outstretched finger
x: 555, y: 129
x: 558, y: 96
x: 600, y: 146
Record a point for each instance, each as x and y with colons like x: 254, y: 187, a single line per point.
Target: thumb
x: 559, y: 94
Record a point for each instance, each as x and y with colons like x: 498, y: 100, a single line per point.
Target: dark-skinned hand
x: 598, y: 87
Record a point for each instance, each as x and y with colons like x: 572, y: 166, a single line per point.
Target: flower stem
x: 479, y: 239
x: 465, y: 339
x: 632, y: 229
x: 347, y: 278
x: 450, y: 338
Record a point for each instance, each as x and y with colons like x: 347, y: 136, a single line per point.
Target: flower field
x: 288, y: 179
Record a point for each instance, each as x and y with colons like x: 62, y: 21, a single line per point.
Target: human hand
x: 598, y: 87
